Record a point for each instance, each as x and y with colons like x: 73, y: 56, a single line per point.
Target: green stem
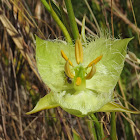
x: 102, y: 130
x: 92, y: 129
x: 46, y: 5
x: 113, y: 127
x: 97, y: 125
x: 57, y: 20
x: 94, y: 132
x: 71, y: 16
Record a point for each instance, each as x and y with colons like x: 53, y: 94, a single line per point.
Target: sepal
x: 114, y: 107
x: 47, y: 102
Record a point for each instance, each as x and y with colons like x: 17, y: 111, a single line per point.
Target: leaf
x: 56, y: 9
x: 65, y: 20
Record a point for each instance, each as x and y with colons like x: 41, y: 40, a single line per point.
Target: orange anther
x: 65, y: 57
x: 78, y: 51
x: 95, y: 61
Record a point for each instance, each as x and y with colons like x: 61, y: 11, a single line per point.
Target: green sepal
x: 114, y: 107
x: 47, y: 102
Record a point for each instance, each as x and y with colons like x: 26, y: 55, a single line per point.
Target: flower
x: 81, y: 79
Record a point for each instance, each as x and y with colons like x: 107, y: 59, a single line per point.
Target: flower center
x: 80, y: 75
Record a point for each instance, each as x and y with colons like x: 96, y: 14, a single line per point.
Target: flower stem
x: 92, y: 128
x: 57, y: 20
x: 94, y: 132
x: 97, y: 126
x: 71, y: 16
x: 46, y: 5
x: 113, y: 127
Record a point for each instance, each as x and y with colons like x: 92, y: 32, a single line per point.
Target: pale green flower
x: 81, y: 79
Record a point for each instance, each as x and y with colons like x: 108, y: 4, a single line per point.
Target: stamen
x: 78, y: 51
x: 65, y: 57
x: 78, y: 81
x: 91, y: 73
x: 95, y: 61
x: 67, y: 70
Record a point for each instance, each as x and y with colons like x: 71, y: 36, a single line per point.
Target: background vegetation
x: 20, y: 83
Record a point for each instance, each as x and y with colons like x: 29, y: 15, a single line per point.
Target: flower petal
x: 81, y: 103
x: 46, y: 102
x: 109, y: 68
x: 51, y: 64
x: 114, y: 107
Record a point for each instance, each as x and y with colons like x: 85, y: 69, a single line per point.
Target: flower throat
x: 80, y: 76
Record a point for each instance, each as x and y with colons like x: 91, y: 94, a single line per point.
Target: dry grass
x: 21, y: 86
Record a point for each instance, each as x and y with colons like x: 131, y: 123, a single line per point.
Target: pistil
x: 78, y: 81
